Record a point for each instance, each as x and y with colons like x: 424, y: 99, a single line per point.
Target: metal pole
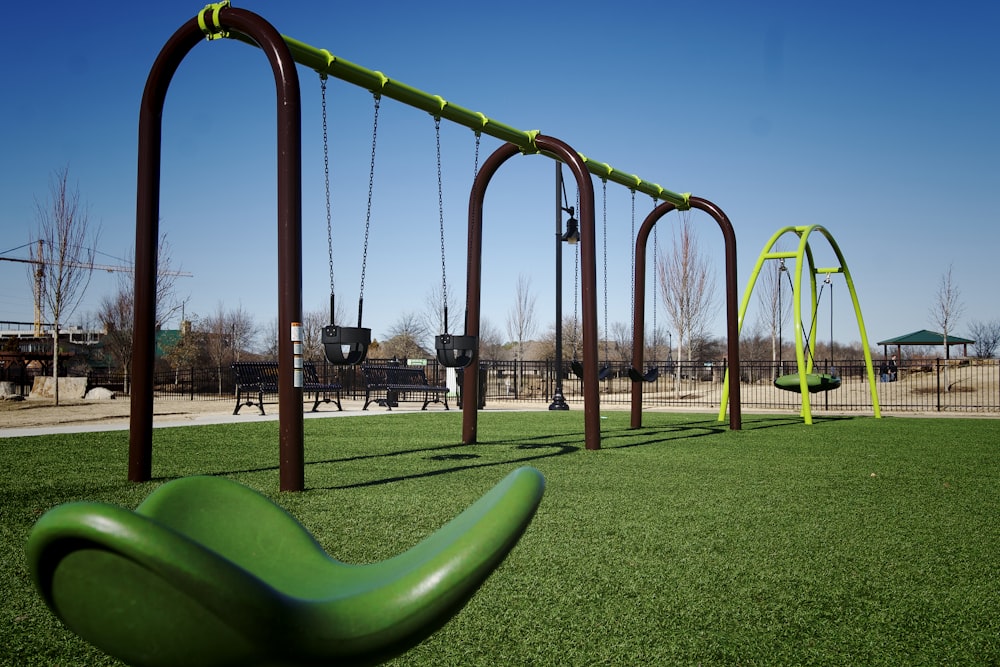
x: 591, y: 395
x: 732, y: 310
x: 473, y: 287
x: 289, y: 240
x: 140, y: 452
x: 558, y: 399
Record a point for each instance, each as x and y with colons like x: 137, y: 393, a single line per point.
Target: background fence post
x: 937, y: 368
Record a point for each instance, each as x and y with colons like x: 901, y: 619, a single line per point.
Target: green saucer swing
x: 815, y: 382
x: 208, y: 572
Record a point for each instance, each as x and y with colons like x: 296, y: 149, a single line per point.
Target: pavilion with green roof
x: 925, y: 337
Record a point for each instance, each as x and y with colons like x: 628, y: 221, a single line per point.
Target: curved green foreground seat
x: 815, y: 382
x: 208, y: 572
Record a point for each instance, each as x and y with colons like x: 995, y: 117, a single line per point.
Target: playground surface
x: 854, y: 541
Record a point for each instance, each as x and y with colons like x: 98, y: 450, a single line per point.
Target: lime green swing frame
x: 803, y: 257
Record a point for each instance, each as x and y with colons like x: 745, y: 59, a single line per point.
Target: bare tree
x: 117, y: 311
x: 521, y: 323
x: 167, y: 303
x: 545, y: 345
x: 621, y: 342
x: 434, y: 322
x: 405, y: 336
x: 224, y: 334
x: 313, y: 322
x: 216, y: 340
x: 490, y: 341
x: 987, y: 337
x: 687, y: 286
x: 707, y: 347
x: 945, y: 311
x: 64, y: 257
x: 756, y: 345
x: 269, y: 335
x: 243, y: 331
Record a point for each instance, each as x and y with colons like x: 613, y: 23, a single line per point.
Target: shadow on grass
x: 659, y: 434
x: 440, y: 453
x: 548, y: 446
x: 535, y: 448
x: 561, y: 445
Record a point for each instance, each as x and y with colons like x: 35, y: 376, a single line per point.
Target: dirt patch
x: 32, y: 412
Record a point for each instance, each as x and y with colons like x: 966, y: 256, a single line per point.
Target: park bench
x: 255, y: 379
x: 389, y: 384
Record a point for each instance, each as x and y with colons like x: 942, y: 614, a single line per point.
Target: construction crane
x: 40, y: 275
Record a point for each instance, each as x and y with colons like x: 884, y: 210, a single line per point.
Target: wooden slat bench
x: 256, y: 379
x: 389, y: 384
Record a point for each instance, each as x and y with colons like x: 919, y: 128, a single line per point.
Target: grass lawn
x: 851, y: 542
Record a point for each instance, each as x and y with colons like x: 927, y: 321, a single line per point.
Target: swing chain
x: 632, y: 303
x: 475, y: 164
x: 604, y: 220
x: 368, y: 214
x: 444, y: 272
x: 576, y: 282
x: 576, y: 298
x: 326, y: 178
x: 656, y: 280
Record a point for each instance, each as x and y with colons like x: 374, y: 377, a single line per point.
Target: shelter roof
x: 925, y: 337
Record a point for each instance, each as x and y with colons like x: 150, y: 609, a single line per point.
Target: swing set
x: 343, y: 343
x: 807, y: 380
x: 639, y: 303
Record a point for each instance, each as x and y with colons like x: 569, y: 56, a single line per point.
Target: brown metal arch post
x: 588, y: 283
x: 289, y: 137
x: 732, y: 309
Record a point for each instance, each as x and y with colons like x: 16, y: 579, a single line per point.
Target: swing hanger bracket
x: 215, y: 30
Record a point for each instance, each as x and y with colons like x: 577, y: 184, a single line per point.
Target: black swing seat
x: 603, y: 374
x: 346, y: 346
x: 815, y: 382
x: 650, y: 375
x: 455, y: 351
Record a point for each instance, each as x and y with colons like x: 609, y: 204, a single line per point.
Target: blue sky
x: 876, y: 120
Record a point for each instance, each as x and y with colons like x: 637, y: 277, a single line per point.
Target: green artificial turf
x: 854, y: 541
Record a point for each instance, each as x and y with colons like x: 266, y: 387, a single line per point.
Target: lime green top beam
x: 324, y: 62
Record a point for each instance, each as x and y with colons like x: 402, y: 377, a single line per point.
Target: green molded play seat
x: 815, y: 382
x: 208, y: 572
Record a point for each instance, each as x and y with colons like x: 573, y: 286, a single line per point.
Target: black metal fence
x: 934, y: 385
